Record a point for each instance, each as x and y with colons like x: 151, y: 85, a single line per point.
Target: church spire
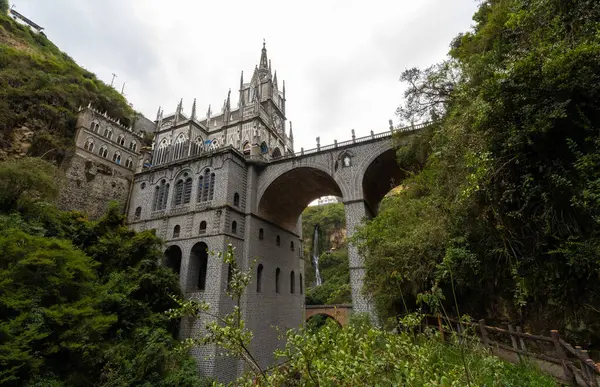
x: 263, y: 66
x: 291, y: 132
x: 194, y: 110
x: 179, y: 110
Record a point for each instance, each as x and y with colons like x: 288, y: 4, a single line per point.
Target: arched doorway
x: 172, y: 258
x: 317, y: 321
x: 197, y: 278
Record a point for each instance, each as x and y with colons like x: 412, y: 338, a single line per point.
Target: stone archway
x: 172, y: 258
x: 339, y: 313
x: 380, y: 176
x: 289, y: 194
x: 198, y: 268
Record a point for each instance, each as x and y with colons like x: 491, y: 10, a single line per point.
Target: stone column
x: 355, y: 213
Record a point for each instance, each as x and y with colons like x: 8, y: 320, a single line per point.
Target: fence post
x: 590, y: 369
x: 521, y: 339
x: 560, y: 352
x: 513, y: 340
x: 441, y: 328
x: 484, y: 335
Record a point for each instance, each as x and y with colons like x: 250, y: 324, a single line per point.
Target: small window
x: 234, y: 227
x: 138, y: 213
x: 277, y: 275
x: 229, y: 276
x: 129, y: 163
x: 203, y: 227
x: 103, y: 151
x: 278, y: 241
x: 89, y: 145
x: 143, y: 185
x: 95, y: 126
x: 259, y: 271
x: 133, y: 145
x: 176, y: 231
x: 117, y: 158
x: 236, y: 199
x: 292, y: 282
x: 121, y: 140
x: 301, y: 285
x: 261, y: 234
x: 292, y: 245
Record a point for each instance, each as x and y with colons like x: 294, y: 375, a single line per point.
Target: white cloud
x: 341, y: 60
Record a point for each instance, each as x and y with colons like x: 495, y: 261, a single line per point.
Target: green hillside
x: 41, y: 89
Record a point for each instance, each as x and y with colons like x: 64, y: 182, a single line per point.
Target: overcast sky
x: 341, y: 60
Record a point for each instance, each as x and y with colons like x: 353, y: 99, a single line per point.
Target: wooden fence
x: 577, y: 366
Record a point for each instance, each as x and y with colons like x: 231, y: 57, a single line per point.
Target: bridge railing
x: 370, y: 137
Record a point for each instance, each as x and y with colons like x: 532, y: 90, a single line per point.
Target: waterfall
x: 315, y: 256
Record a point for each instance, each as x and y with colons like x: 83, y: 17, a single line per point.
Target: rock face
x: 20, y: 142
x: 337, y: 238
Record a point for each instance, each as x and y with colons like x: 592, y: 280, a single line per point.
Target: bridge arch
x: 285, y: 195
x: 380, y: 174
x: 339, y: 313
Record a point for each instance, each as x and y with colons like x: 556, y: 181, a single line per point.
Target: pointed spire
x: 269, y: 66
x: 284, y: 89
x: 242, y: 81
x: 178, y: 110
x: 275, y: 79
x: 208, y: 112
x: 263, y: 66
x: 158, y: 114
x: 228, y: 102
x: 194, y: 110
x: 291, y: 132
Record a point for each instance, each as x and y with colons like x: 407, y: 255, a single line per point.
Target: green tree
x: 26, y: 180
x: 509, y: 189
x: 4, y: 6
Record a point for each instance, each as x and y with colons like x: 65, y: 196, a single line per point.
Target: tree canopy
x: 505, y: 199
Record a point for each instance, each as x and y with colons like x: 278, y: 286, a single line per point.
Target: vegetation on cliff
x: 333, y: 260
x: 41, y: 89
x: 81, y: 303
x: 504, y: 199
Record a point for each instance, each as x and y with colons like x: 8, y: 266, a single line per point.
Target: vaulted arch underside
x: 380, y: 177
x: 289, y: 194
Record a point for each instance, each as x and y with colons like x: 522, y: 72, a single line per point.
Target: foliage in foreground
x: 355, y: 355
x: 81, y: 303
x: 505, y: 191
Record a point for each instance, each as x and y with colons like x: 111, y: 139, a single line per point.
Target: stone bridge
x: 340, y: 313
x: 361, y: 171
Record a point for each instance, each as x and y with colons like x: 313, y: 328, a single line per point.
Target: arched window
x: 108, y: 133
x: 229, y: 276
x: 206, y: 186
x: 94, y: 127
x: 276, y: 153
x: 89, y: 145
x: 236, y: 199
x: 247, y: 148
x: 138, y: 213
x: 117, y: 158
x: 180, y: 147
x: 292, y: 245
x: 129, y: 163
x: 259, y: 271
x: 197, y: 146
x: 161, y: 195
x: 172, y: 258
x: 133, y: 145
x: 214, y: 144
x: 292, y: 282
x: 301, y: 285
x: 162, y: 153
x: 234, y: 227
x: 199, y: 266
x: 176, y: 231
x: 121, y: 140
x: 264, y: 148
x: 202, y: 227
x: 278, y: 241
x: 277, y: 275
x: 187, y: 190
x: 178, y: 193
x: 103, y: 151
x: 261, y: 234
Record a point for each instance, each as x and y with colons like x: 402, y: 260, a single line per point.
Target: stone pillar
x: 355, y: 213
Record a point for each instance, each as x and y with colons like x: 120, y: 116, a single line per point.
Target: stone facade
x: 102, y: 166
